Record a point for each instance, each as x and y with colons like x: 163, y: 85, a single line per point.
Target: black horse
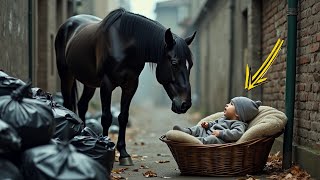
x: 112, y: 52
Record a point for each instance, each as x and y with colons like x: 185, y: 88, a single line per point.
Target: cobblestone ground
x: 143, y: 144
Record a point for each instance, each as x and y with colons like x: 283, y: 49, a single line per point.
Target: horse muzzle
x: 180, y: 106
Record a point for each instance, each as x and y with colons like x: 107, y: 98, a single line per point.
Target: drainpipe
x: 231, y: 43
x: 290, y: 82
x: 30, y: 38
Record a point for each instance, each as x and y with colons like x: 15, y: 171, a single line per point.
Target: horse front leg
x: 106, y: 89
x: 128, y: 92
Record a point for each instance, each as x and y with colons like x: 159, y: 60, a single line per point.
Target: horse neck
x: 148, y: 35
x: 151, y: 50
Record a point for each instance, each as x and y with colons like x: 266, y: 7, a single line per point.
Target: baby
x: 228, y: 128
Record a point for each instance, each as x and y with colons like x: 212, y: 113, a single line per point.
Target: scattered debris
x: 117, y: 176
x: 141, y: 143
x: 149, y: 174
x: 162, y: 161
x: 249, y: 177
x: 144, y: 167
x: 274, y: 168
x: 164, y: 155
x: 119, y: 171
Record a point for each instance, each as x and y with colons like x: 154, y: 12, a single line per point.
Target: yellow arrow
x: 257, y: 79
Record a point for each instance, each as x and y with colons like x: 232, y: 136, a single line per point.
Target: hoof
x: 127, y: 161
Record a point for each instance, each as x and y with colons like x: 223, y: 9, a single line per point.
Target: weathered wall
x: 214, y: 36
x: 306, y: 145
x: 307, y: 101
x: 14, y: 56
x: 14, y: 38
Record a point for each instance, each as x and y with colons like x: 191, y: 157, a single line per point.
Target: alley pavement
x: 148, y: 124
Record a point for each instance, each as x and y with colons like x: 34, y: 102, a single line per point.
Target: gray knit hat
x: 246, y: 108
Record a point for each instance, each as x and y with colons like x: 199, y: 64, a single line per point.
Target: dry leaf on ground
x: 149, y: 174
x: 117, y: 176
x: 119, y: 171
x: 274, y: 169
x: 162, y: 161
x: 144, y: 167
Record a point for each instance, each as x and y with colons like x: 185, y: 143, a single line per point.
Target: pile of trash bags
x: 41, y: 139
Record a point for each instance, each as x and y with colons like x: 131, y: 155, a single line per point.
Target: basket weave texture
x: 229, y: 159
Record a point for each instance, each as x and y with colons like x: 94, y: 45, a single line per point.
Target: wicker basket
x: 229, y: 159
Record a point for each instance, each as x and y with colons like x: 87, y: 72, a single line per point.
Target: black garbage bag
x: 60, y: 162
x: 68, y: 124
x: 95, y: 126
x: 9, y: 84
x: 32, y: 119
x: 9, y: 171
x: 9, y: 138
x: 100, y: 148
x: 39, y: 93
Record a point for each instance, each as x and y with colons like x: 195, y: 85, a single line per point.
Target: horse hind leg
x: 83, y: 103
x: 68, y: 82
x: 69, y: 92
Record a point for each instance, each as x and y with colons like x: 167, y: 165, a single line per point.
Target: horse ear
x: 190, y: 38
x: 169, y: 39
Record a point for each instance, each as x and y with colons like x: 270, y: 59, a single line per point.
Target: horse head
x: 173, y: 71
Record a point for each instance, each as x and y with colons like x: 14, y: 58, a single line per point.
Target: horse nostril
x: 184, y: 106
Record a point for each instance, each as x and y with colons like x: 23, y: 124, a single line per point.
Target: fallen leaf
x: 144, y: 167
x: 116, y: 177
x: 274, y: 168
x: 163, y: 155
x: 250, y: 177
x: 162, y: 161
x: 135, y: 156
x: 149, y: 174
x: 273, y: 177
x: 295, y: 170
x: 119, y: 171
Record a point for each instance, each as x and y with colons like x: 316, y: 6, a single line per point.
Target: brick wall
x: 274, y: 26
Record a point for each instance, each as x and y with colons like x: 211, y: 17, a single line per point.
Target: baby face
x: 230, y: 111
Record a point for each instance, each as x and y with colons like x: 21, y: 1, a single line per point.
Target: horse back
x: 74, y: 46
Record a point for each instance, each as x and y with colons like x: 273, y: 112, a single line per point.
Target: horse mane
x: 147, y: 34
